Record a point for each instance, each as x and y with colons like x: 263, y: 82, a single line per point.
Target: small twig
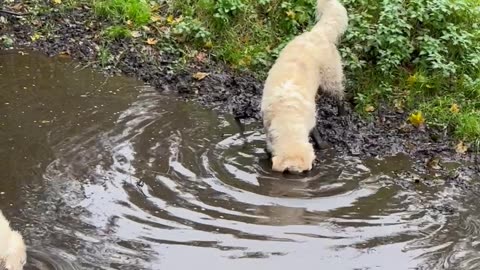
x: 2, y: 11
x: 241, y: 128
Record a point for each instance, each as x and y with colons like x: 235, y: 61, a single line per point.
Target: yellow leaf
x: 57, y: 1
x: 369, y: 108
x: 35, y: 36
x: 129, y: 22
x: 155, y: 18
x: 170, y: 19
x: 200, y: 75
x: 290, y: 14
x: 208, y: 44
x: 151, y: 41
x: 454, y: 108
x: 461, y: 148
x: 416, y: 119
x: 412, y: 79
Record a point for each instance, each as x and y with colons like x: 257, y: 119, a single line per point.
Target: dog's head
x: 297, y: 160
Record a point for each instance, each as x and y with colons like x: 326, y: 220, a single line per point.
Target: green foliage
x: 191, y: 30
x: 117, y: 32
x: 121, y: 11
x: 243, y: 33
x: 423, y: 51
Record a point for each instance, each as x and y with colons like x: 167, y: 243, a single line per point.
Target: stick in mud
x: 2, y: 11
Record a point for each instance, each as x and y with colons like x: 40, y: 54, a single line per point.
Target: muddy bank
x: 75, y: 34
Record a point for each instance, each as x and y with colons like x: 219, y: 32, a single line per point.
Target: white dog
x: 311, y: 60
x: 13, y: 254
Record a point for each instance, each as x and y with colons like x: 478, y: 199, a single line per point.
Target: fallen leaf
x: 35, y: 36
x: 151, y: 41
x: 434, y: 163
x: 461, y: 148
x: 64, y: 54
x: 412, y: 79
x: 369, y: 108
x: 57, y: 1
x: 146, y: 28
x: 129, y: 22
x: 454, y: 108
x: 416, y: 119
x: 155, y: 18
x: 17, y: 7
x: 290, y: 14
x: 200, y: 75
x: 398, y: 104
x: 208, y: 44
x: 170, y: 19
x: 201, y: 56
x: 136, y: 34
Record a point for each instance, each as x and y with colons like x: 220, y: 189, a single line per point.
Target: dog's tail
x: 333, y: 19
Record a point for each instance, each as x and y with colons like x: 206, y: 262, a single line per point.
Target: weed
x: 117, y: 32
x: 105, y: 56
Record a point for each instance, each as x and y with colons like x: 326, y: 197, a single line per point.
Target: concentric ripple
x: 130, y: 179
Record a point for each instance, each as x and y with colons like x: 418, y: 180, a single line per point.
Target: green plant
x: 105, y: 56
x: 122, y: 11
x: 117, y: 32
x: 191, y: 30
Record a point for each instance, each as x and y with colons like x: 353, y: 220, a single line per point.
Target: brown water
x: 105, y: 173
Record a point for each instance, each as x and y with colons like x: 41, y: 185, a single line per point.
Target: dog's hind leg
x: 333, y: 79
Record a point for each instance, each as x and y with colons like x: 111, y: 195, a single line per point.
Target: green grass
x: 122, y: 11
x: 117, y: 32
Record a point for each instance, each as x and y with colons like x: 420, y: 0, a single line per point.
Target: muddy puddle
x: 105, y: 173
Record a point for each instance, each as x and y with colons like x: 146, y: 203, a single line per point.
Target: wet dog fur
x: 311, y: 60
x: 13, y: 253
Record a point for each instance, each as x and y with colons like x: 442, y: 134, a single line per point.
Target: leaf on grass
x: 208, y: 44
x: 136, y: 34
x: 416, y: 119
x: 461, y: 148
x: 155, y: 18
x: 35, y: 36
x: 201, y: 56
x: 454, y: 108
x: 398, y: 104
x: 170, y: 19
x: 369, y: 108
x: 57, y: 2
x: 200, y: 75
x: 290, y: 14
x: 151, y: 41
